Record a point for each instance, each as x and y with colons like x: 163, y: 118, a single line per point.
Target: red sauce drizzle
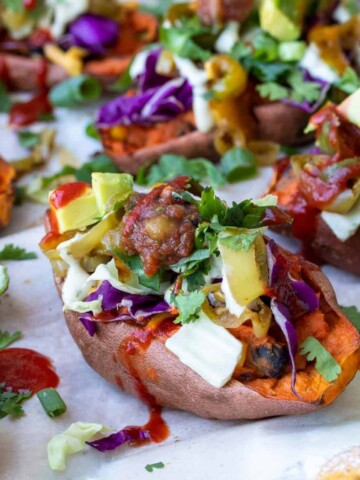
x: 30, y: 4
x: 67, y: 193
x: 40, y: 37
x: 137, y: 344
x: 4, y: 71
x: 25, y: 369
x: 42, y: 74
x: 26, y: 113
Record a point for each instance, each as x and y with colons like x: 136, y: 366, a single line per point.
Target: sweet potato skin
x: 176, y: 386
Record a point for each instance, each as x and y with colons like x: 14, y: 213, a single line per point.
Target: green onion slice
x: 51, y: 401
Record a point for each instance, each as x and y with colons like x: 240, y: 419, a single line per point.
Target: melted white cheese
x: 197, y: 79
x: 341, y: 14
x: 313, y: 63
x: 208, y: 349
x: 228, y: 37
x: 345, y: 225
x: 63, y: 13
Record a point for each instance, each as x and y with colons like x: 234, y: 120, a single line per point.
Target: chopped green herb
x: 189, y: 306
x: 51, y: 402
x: 29, y: 139
x: 91, y: 131
x: 325, y: 364
x: 302, y: 89
x: 6, y: 338
x: 273, y: 91
x: 136, y: 266
x: 266, y: 48
x: 158, y: 8
x: 5, y: 101
x: 10, y: 402
x: 4, y: 279
x: 150, y: 467
x: 349, y: 82
x: 238, y: 164
x: 99, y: 163
x: 123, y: 83
x: 75, y: 90
x: 353, y: 315
x: 242, y: 241
x: 12, y: 252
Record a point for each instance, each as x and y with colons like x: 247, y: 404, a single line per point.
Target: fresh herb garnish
x: 172, y: 166
x: 51, y: 402
x: 273, y: 91
x: 134, y: 263
x: 238, y: 164
x: 349, y: 82
x: 29, y: 139
x: 6, y: 338
x: 189, y: 306
x: 10, y: 402
x: 91, y: 131
x: 353, y: 315
x: 325, y: 363
x: 5, y: 101
x: 4, y: 279
x: 75, y: 90
x: 183, y: 39
x: 151, y: 466
x: 12, y: 252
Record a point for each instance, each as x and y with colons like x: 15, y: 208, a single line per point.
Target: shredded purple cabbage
x: 306, y: 106
x: 306, y: 294
x: 93, y: 32
x: 139, y: 306
x: 283, y: 319
x: 159, y: 99
x: 115, y: 440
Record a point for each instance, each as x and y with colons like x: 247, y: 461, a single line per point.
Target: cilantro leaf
x: 273, y: 91
x: 91, y: 131
x: 189, y: 262
x: 189, y: 306
x: 98, y: 163
x: 150, y: 467
x: 10, y: 402
x: 7, y: 339
x: 12, y: 252
x: 267, y: 72
x: 353, y: 315
x: 266, y: 48
x: 4, y: 279
x: 242, y: 241
x: 240, y: 50
x: 172, y: 166
x: 302, y: 89
x: 29, y: 139
x: 5, y: 101
x: 238, y: 164
x: 211, y: 206
x: 349, y: 82
x: 325, y: 364
x: 182, y: 39
x: 135, y: 264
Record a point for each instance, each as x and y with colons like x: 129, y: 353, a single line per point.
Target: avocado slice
x: 245, y: 273
x: 77, y: 213
x: 350, y: 108
x: 274, y: 21
x: 111, y: 188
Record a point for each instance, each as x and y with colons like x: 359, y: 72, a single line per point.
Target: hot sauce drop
x: 67, y: 193
x: 25, y: 369
x: 26, y: 113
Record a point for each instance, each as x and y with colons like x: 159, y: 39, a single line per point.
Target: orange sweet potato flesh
x: 177, y: 386
x: 7, y: 192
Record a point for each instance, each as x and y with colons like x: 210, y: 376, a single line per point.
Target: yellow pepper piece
x: 227, y: 78
x: 71, y: 61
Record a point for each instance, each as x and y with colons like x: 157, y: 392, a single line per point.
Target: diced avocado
x: 81, y: 246
x: 274, y: 21
x: 350, y: 108
x: 111, y: 188
x: 245, y: 272
x: 77, y: 213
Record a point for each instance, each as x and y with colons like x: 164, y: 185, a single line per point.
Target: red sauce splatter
x: 30, y: 4
x: 26, y: 113
x: 4, y: 71
x: 40, y: 37
x: 135, y: 344
x: 66, y: 193
x: 42, y: 74
x: 24, y: 369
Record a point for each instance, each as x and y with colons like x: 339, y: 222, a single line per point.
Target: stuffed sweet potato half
x: 236, y: 76
x: 44, y: 42
x: 321, y: 190
x: 7, y: 192
x: 176, y: 297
